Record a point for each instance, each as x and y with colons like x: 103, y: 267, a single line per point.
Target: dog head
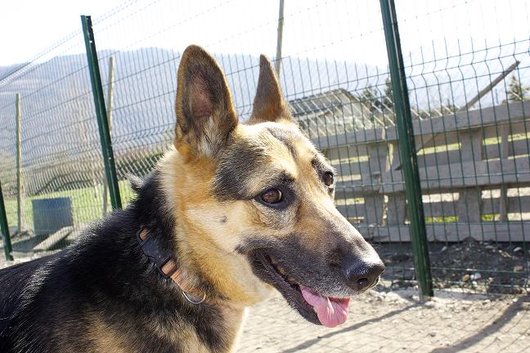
x: 254, y: 201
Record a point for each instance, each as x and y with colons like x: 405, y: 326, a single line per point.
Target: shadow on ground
x: 488, y: 330
x: 356, y: 326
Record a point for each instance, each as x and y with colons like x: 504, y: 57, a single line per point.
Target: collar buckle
x: 154, y: 252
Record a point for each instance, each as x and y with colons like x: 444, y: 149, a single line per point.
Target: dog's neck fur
x: 203, y: 231
x: 153, y: 210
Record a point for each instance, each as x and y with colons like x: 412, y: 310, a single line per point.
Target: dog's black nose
x: 362, y: 274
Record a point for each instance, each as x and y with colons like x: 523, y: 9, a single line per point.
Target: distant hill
x: 57, y: 103
x: 59, y: 128
x: 6, y: 71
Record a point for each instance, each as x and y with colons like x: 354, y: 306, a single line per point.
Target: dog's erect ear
x: 269, y: 103
x: 205, y: 113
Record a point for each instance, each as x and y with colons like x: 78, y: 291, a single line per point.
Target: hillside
x: 59, y: 129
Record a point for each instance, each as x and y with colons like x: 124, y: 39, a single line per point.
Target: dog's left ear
x: 269, y: 103
x: 205, y: 113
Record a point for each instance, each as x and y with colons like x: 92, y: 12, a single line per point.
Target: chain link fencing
x: 467, y: 67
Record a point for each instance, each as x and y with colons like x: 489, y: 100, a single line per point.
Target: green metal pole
x: 5, y: 228
x: 407, y: 149
x: 101, y: 112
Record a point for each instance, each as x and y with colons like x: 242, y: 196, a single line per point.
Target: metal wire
x: 473, y: 159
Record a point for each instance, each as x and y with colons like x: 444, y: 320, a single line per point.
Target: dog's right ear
x: 205, y: 113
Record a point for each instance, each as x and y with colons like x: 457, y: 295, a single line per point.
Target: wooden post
x: 397, y: 204
x: 109, y: 117
x: 491, y: 85
x: 470, y: 199
x: 279, y: 39
x: 503, y: 197
x: 378, y: 161
x: 18, y: 162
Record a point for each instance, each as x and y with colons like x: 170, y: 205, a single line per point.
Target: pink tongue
x: 331, y: 311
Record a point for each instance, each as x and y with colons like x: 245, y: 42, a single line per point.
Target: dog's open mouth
x: 316, y: 308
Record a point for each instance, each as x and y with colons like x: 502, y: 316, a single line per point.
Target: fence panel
x: 467, y: 78
x: 61, y: 165
x: 468, y: 87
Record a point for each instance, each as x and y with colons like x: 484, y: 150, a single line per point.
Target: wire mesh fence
x: 467, y: 86
x: 467, y: 67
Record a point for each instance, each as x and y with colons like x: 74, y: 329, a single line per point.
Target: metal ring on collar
x: 193, y: 299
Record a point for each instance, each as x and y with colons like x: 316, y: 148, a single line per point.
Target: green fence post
x: 101, y: 112
x: 4, y: 227
x: 407, y: 149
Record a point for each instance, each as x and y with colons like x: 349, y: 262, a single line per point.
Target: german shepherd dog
x: 233, y: 212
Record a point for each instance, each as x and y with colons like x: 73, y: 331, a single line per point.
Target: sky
x: 322, y: 28
x: 28, y: 27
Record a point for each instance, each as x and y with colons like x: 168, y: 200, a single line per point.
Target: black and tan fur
x: 204, y: 204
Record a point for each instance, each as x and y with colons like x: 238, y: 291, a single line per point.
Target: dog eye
x: 328, y: 178
x: 272, y: 196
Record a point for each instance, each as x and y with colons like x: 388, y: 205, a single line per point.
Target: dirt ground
x: 485, y: 267
x: 397, y: 321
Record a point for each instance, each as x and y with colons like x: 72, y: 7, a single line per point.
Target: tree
x: 516, y: 91
x: 369, y: 97
x: 388, y: 99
